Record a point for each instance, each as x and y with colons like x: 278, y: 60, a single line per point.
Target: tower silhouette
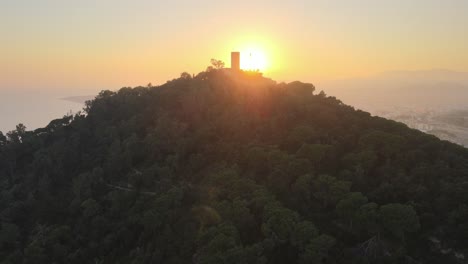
x: 235, y: 60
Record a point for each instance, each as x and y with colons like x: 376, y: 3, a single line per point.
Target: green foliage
x: 349, y: 207
x: 17, y: 135
x: 317, y: 249
x: 303, y: 233
x: 3, y: 139
x: 368, y: 219
x: 227, y: 167
x: 278, y: 222
x: 9, y: 234
x: 329, y: 190
x: 399, y: 219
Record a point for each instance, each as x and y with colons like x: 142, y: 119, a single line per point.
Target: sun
x: 253, y: 60
x: 257, y: 52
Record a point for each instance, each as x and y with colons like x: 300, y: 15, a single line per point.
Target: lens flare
x: 253, y: 60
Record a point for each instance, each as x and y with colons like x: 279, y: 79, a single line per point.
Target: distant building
x: 235, y: 60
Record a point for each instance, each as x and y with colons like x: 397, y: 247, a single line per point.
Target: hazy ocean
x: 33, y: 108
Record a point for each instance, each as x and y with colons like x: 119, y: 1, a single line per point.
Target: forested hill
x: 228, y: 167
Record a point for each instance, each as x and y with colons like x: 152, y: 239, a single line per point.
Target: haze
x: 54, y: 49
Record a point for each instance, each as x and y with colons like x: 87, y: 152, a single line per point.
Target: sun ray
x: 253, y: 60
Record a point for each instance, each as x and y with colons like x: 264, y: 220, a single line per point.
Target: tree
x: 21, y: 129
x: 368, y: 219
x: 301, y: 189
x: 300, y: 135
x: 34, y: 253
x: 217, y: 64
x: 279, y: 222
x: 303, y: 233
x: 90, y: 208
x: 399, y: 219
x: 3, y: 139
x: 16, y: 136
x: 301, y: 89
x: 348, y: 207
x: 385, y: 144
x: 185, y: 76
x: 328, y: 190
x: 217, y: 244
x: 317, y: 250
x: 9, y: 233
x: 458, y: 223
x: 224, y: 168
x: 316, y: 153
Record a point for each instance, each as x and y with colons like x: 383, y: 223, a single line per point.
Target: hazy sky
x: 107, y: 44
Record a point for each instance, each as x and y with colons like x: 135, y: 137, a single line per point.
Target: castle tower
x: 235, y: 60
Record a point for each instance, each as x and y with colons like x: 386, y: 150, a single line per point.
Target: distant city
x: 451, y: 125
x: 433, y: 101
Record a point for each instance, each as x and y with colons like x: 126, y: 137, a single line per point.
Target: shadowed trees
x: 223, y: 168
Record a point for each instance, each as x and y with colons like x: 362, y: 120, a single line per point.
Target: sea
x: 35, y: 108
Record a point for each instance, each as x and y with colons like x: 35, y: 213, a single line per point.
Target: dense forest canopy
x: 230, y: 167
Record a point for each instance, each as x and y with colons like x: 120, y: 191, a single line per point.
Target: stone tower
x: 235, y: 60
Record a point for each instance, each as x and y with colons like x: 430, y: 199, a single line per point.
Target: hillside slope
x: 230, y: 168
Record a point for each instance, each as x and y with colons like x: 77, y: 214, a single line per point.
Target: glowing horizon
x: 88, y: 45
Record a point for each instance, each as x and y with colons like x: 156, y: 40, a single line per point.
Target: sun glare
x: 253, y: 59
x: 257, y: 52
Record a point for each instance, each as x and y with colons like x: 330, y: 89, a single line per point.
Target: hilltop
x: 230, y: 167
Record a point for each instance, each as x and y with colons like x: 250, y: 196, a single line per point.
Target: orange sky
x: 106, y: 45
